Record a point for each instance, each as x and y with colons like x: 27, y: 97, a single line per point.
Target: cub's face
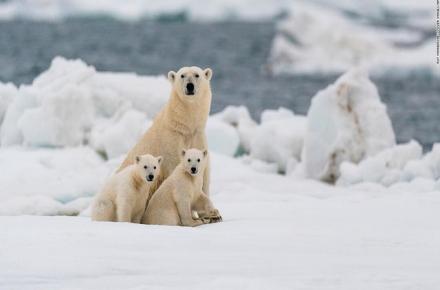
x: 193, y: 160
x: 190, y: 82
x: 148, y: 166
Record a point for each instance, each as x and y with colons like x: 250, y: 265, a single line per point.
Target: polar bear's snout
x: 190, y: 89
x: 193, y: 170
x: 150, y: 177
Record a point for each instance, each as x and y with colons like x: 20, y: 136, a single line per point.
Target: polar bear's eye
x: 197, y: 75
x: 145, y: 166
x: 154, y: 167
x: 182, y: 76
x: 189, y: 160
x: 198, y: 160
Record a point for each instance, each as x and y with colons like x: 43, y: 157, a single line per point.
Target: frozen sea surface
x: 237, y: 51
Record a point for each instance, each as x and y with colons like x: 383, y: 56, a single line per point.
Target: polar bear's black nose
x: 193, y: 170
x: 190, y: 88
x: 150, y: 177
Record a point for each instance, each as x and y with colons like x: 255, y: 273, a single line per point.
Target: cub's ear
x: 183, y: 152
x: 159, y: 159
x: 208, y: 73
x: 205, y: 152
x: 138, y: 158
x: 171, y: 76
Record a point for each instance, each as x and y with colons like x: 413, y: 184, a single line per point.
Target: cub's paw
x: 196, y: 223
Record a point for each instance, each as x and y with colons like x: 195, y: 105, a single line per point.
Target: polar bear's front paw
x: 214, y: 216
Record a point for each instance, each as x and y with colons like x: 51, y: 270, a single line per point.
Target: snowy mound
x: 386, y: 167
x: 401, y: 167
x: 45, y: 181
x: 69, y: 102
x: 314, y: 40
x: 277, y: 141
x: 346, y: 122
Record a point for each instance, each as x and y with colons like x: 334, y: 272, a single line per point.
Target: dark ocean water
x: 236, y: 51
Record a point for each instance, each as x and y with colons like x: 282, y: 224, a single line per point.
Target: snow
x: 62, y: 105
x: 65, y: 133
x: 385, y: 168
x: 316, y: 40
x: 117, y: 136
x: 240, y: 118
x: 342, y: 124
x: 222, y: 137
x: 277, y: 233
x: 40, y: 181
x: 280, y: 136
x: 273, y: 143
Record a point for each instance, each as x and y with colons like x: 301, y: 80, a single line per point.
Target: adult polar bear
x: 180, y: 124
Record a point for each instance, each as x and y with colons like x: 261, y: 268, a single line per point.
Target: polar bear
x: 181, y: 194
x: 125, y: 194
x: 180, y: 124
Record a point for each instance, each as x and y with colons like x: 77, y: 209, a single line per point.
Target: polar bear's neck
x: 188, y: 118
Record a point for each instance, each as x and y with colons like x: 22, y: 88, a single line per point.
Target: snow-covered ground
x: 62, y: 135
x: 277, y: 233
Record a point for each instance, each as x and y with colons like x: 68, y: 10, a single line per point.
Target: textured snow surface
x: 277, y: 233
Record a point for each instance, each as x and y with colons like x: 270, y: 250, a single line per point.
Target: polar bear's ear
x: 159, y: 159
x: 138, y: 158
x: 208, y: 73
x: 171, y: 76
x: 183, y: 152
x: 205, y: 152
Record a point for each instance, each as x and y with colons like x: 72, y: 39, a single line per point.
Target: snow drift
x: 345, y: 122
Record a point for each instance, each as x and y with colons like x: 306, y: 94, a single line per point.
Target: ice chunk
x: 117, y: 136
x: 279, y: 138
x: 238, y: 117
x: 428, y: 167
x: 62, y: 119
x: 343, y: 125
x: 7, y: 93
x: 9, y: 132
x: 61, y: 174
x: 64, y: 103
x: 385, y: 167
x: 222, y: 137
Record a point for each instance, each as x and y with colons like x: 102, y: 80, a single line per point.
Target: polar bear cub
x: 180, y: 199
x: 124, y: 196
